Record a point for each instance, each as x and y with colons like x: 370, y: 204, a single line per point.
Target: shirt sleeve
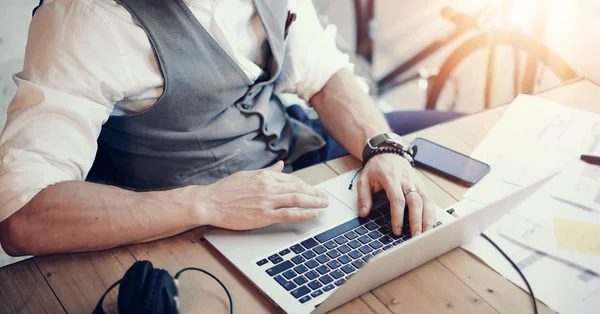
x: 70, y: 82
x: 312, y: 54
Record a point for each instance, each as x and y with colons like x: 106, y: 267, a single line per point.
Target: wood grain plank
x: 24, y: 290
x: 80, y: 279
x: 196, y: 290
x: 431, y: 288
x: 500, y: 293
x: 315, y: 174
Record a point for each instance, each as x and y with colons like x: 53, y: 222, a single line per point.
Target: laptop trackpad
x: 336, y: 213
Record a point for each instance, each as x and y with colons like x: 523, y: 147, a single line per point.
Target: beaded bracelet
x: 388, y: 150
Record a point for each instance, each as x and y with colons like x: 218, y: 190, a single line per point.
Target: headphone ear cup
x: 159, y: 294
x: 132, y: 287
x: 169, y: 295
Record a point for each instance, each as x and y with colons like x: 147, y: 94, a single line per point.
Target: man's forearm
x: 347, y: 113
x: 80, y: 216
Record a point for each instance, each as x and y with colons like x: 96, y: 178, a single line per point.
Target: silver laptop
x: 318, y: 265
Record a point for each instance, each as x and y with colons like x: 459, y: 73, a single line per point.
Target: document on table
x: 562, y: 286
x: 534, y: 138
x: 564, y: 229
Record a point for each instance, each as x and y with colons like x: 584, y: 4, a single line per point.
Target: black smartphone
x: 448, y: 163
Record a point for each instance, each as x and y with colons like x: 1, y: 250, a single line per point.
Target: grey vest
x: 210, y: 121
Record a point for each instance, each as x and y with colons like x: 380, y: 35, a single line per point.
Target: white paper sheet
x: 534, y: 138
x: 564, y: 287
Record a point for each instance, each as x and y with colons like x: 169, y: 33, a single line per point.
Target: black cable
x: 213, y: 277
x: 352, y: 181
x: 535, y: 310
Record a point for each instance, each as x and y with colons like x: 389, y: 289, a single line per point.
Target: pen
x: 594, y: 160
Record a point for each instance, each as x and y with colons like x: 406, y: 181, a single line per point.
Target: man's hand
x: 394, y: 174
x: 255, y: 199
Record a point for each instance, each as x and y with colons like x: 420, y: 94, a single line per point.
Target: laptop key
x: 308, y: 254
x: 364, y: 239
x: 262, y: 262
x: 347, y: 269
x: 282, y: 281
x: 374, y: 214
x: 300, y: 292
x: 330, y: 245
x: 371, y: 226
x: 328, y: 288
x: 316, y: 293
x: 279, y: 268
x: 323, y: 259
x: 361, y: 230
x: 333, y: 254
x: 300, y: 269
x: 358, y: 264
x: 343, y: 249
x: 337, y: 274
x: 365, y: 249
x: 355, y: 254
x: 320, y: 249
x: 375, y: 244
x: 326, y: 279
x: 277, y: 260
x: 298, y: 259
x: 354, y: 244
x: 387, y: 247
x: 300, y: 280
x: 284, y: 252
x: 351, y: 235
x: 273, y: 257
x: 309, y: 243
x: 385, y: 230
x: 334, y: 264
x: 311, y: 275
x: 339, y: 282
x: 289, y: 274
x: 381, y: 221
x: 377, y: 252
x: 386, y: 240
x: 366, y: 258
x: 323, y: 269
x: 340, y: 240
x: 311, y: 264
x: 315, y: 285
x: 341, y: 229
x: 305, y: 299
x: 297, y: 248
x: 344, y: 259
x: 289, y: 286
x: 375, y: 234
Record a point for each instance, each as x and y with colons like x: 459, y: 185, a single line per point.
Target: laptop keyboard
x: 321, y: 263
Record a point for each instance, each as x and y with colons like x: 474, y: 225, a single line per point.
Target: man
x: 169, y: 110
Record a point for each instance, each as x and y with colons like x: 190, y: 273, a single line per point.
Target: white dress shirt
x: 88, y: 59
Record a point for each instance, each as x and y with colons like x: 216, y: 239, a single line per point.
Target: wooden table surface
x: 456, y: 282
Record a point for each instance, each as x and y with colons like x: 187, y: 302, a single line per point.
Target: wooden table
x: 456, y: 282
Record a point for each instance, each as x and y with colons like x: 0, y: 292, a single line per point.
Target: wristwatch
x: 389, y: 140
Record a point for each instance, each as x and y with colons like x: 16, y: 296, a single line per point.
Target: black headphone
x: 145, y: 289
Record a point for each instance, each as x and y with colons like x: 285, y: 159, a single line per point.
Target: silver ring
x: 411, y: 190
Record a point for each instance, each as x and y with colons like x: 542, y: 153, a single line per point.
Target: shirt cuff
x: 313, y: 67
x: 23, y: 175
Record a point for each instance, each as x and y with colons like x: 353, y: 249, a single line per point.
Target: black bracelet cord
x: 384, y: 150
x: 535, y: 310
